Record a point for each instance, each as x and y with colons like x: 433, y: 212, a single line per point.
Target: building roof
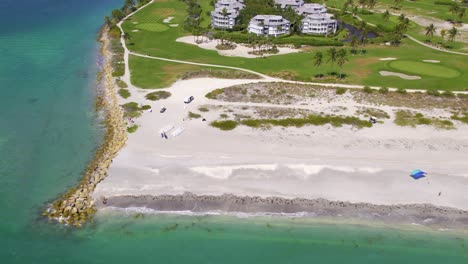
x: 285, y: 3
x: 311, y: 8
x: 231, y: 12
x: 234, y: 4
x: 268, y: 18
x: 319, y: 17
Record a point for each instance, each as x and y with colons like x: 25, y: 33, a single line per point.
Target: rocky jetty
x: 77, y: 204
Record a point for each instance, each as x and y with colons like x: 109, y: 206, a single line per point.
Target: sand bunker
x: 135, y: 30
x: 168, y: 19
x: 431, y: 61
x: 135, y: 22
x: 387, y: 59
x: 239, y: 51
x: 401, y: 75
x: 174, y: 25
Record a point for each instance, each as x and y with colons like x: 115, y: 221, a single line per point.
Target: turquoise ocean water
x: 48, y: 132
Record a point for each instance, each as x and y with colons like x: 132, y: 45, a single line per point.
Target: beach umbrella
x: 417, y: 174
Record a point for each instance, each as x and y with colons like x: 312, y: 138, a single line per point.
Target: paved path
x: 435, y: 48
x: 127, y: 53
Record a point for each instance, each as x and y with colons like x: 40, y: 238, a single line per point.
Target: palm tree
x: 341, y: 59
x: 454, y: 8
x: 443, y: 32
x: 430, y: 30
x: 461, y: 13
x: 386, y: 15
x: 332, y: 53
x: 355, y: 10
x: 452, y: 33
x: 354, y: 43
x: 397, y: 3
x: 107, y: 21
x: 401, y: 17
x: 318, y: 59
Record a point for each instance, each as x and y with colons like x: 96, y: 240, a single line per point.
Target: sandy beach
x: 369, y: 165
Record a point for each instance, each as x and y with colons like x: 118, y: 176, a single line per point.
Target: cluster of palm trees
x: 338, y: 56
x: 456, y: 10
x: 450, y: 34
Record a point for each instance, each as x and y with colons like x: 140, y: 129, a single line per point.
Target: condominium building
x: 289, y: 3
x: 309, y: 9
x: 230, y: 4
x: 225, y: 14
x: 319, y: 24
x: 269, y: 25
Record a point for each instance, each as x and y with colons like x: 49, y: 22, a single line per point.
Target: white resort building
x: 323, y: 24
x: 309, y: 9
x: 269, y: 25
x: 289, y: 3
x: 225, y: 14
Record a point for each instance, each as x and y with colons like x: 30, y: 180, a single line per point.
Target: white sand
x: 174, y: 25
x: 135, y: 30
x: 168, y: 19
x: 239, y: 51
x: 431, y: 61
x: 387, y: 59
x: 368, y: 165
x: 401, y: 75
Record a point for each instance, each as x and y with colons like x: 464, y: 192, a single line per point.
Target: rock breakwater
x: 77, y: 204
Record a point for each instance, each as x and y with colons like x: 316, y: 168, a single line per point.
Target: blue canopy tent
x: 417, y: 174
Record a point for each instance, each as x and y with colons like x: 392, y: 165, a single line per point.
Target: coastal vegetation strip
x: 316, y: 120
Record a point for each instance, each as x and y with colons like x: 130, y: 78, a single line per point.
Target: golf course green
x: 424, y: 68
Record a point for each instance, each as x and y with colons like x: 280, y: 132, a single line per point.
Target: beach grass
x: 158, y: 95
x: 361, y: 69
x: 225, y: 124
x: 203, y: 109
x: 193, y: 115
x: 408, y: 118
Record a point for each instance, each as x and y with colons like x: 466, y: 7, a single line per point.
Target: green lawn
x: 361, y: 69
x: 424, y: 68
x: 418, y: 7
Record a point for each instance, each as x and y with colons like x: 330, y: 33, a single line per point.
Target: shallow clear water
x: 48, y: 132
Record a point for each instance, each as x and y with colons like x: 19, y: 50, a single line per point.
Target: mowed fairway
x: 424, y: 68
x: 361, y: 69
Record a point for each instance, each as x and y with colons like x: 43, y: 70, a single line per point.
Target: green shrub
x: 462, y: 118
x: 223, y: 116
x: 383, y: 90
x: 158, y: 95
x: 224, y: 125
x: 367, y: 89
x: 193, y: 115
x: 214, y: 94
x: 124, y: 93
x: 340, y: 90
x: 121, y: 84
x: 444, y: 2
x: 203, y: 109
x: 401, y: 91
x: 132, y: 129
x: 145, y: 107
x: 433, y: 92
x: 448, y: 94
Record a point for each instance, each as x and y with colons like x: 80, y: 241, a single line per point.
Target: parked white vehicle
x: 188, y: 100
